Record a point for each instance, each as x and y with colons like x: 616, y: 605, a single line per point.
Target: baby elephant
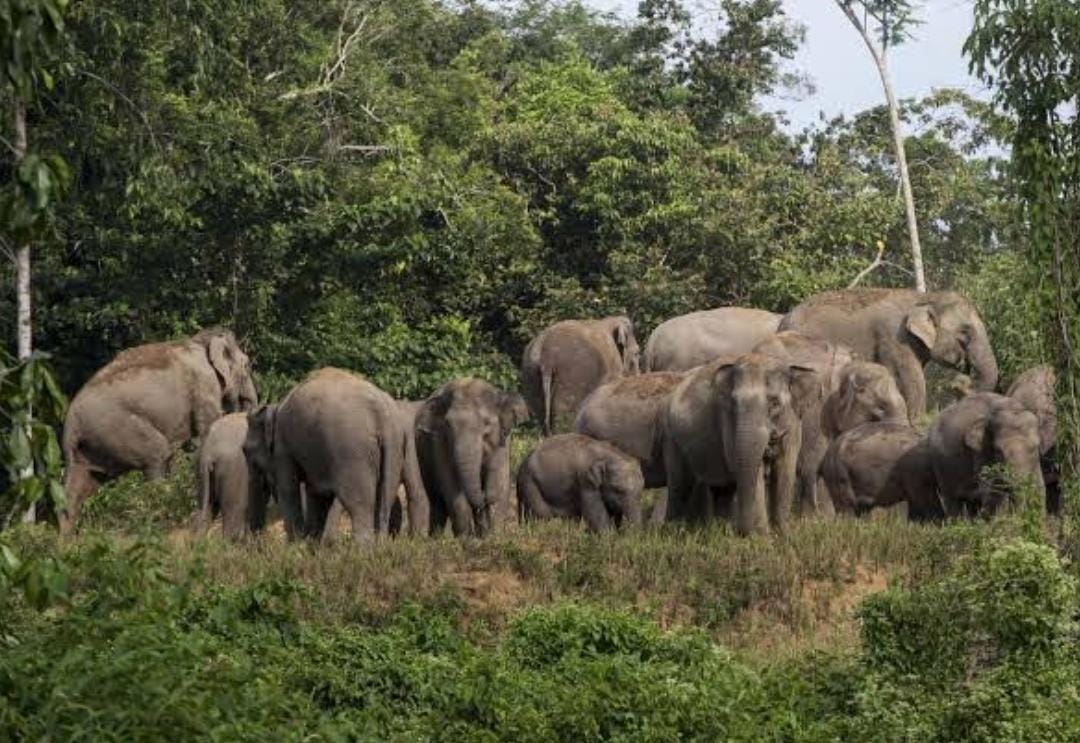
x: 571, y: 476
x: 226, y: 485
x: 877, y: 465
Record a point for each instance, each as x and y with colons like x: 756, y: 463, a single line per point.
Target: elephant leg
x: 357, y: 490
x: 438, y: 517
x: 322, y: 515
x: 680, y: 489
x: 782, y: 482
x: 206, y: 498
x: 497, y: 489
x: 461, y: 516
x: 234, y: 524
x: 288, y: 489
x: 723, y: 499
x: 594, y: 512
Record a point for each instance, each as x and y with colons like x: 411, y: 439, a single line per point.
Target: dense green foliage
x: 411, y: 189
x: 136, y: 648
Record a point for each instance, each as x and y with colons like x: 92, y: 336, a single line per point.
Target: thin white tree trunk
x: 24, y: 327
x: 898, y: 141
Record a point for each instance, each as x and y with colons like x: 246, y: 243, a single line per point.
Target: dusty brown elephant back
x: 903, y: 330
x: 570, y: 359
x: 149, y: 400
x: 688, y: 341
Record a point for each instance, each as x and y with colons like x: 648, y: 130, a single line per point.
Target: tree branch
x: 869, y: 269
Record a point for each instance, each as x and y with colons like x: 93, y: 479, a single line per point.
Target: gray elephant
x: 902, y: 330
x: 688, y: 341
x: 569, y: 359
x: 827, y: 360
x: 1034, y: 389
x: 733, y: 428
x: 463, y: 443
x: 981, y: 430
x: 866, y: 393
x: 340, y: 437
x: 571, y: 476
x: 149, y: 400
x: 227, y: 485
x: 878, y: 465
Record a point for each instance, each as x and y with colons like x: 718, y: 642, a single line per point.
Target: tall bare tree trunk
x: 898, y: 141
x: 23, y: 325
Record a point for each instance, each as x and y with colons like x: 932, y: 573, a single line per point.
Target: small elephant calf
x: 571, y: 476
x: 877, y: 465
x: 227, y: 484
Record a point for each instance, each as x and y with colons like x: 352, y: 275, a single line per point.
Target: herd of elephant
x: 736, y: 413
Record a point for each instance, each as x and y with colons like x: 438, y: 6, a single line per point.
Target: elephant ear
x: 922, y: 324
x: 433, y: 410
x: 512, y: 412
x: 975, y: 436
x: 805, y: 386
x: 220, y: 353
x: 594, y: 477
x: 621, y: 335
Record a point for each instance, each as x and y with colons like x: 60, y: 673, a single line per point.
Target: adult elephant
x: 463, y: 444
x: 629, y: 413
x: 340, y: 437
x: 569, y: 359
x: 1034, y: 389
x: 735, y: 425
x: 136, y: 410
x: 903, y: 330
x: 688, y: 341
x: 981, y: 430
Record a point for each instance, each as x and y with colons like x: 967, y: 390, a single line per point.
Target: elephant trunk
x: 248, y: 397
x: 469, y: 462
x: 983, y: 364
x: 751, y: 440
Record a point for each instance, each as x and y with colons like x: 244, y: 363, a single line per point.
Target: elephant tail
x: 206, y: 491
x: 547, y: 383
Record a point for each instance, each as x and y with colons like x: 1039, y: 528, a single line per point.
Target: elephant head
x: 946, y: 328
x: 762, y: 401
x: 1008, y: 434
x: 619, y: 483
x: 475, y: 419
x: 233, y: 369
x: 866, y: 393
x: 622, y: 332
x: 259, y: 442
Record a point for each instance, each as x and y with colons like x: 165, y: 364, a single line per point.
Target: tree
x: 1029, y: 52
x: 894, y: 20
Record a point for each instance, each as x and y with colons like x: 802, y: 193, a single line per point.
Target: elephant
x: 137, y: 409
x: 1034, y: 389
x: 227, y: 485
x: 983, y: 429
x: 416, y: 506
x: 882, y: 464
x: 688, y: 341
x: 339, y: 437
x: 827, y: 360
x: 903, y: 330
x: 734, y: 425
x: 572, y: 476
x: 463, y: 444
x: 866, y: 393
x: 569, y: 359
x: 628, y: 413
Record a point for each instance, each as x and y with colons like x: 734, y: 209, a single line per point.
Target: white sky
x: 834, y: 58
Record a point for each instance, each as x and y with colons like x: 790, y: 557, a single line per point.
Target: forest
x: 412, y: 190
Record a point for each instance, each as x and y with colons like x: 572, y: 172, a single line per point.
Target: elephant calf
x: 877, y: 465
x: 980, y: 430
x: 1034, y: 389
x: 575, y: 477
x: 226, y: 484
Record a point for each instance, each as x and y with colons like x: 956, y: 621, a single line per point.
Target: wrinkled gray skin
x: 688, y: 341
x: 982, y: 429
x: 141, y: 406
x: 463, y: 443
x: 629, y: 414
x: 827, y: 360
x: 734, y: 425
x: 570, y: 359
x: 415, y: 516
x: 226, y: 484
x: 878, y: 465
x: 1034, y: 389
x: 903, y: 330
x: 571, y: 476
x: 866, y: 393
x: 339, y: 436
